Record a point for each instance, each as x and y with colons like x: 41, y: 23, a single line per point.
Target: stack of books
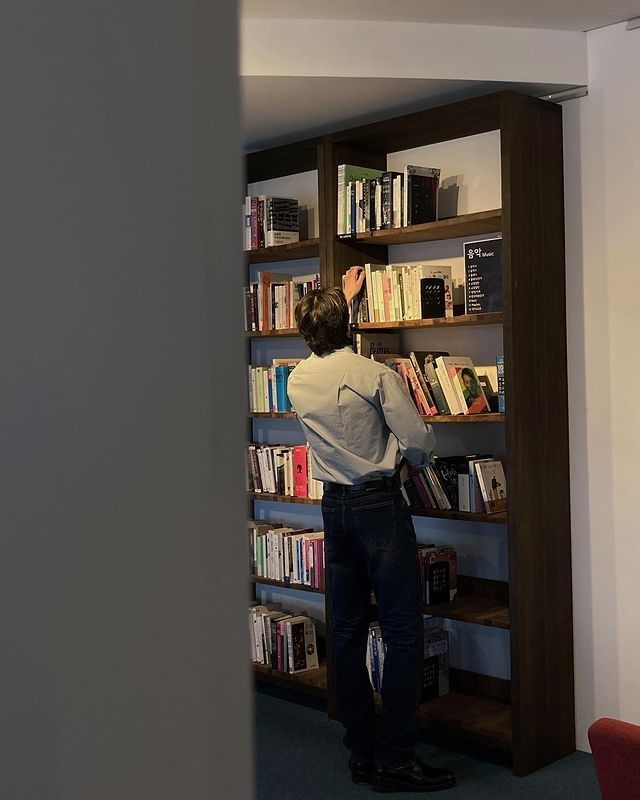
x: 372, y: 199
x: 268, y: 386
x: 290, y: 555
x: 270, y: 300
x: 285, y: 642
x: 270, y: 221
x: 282, y: 469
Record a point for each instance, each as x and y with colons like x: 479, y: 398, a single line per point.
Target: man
x: 360, y: 423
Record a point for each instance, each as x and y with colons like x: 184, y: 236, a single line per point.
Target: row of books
x: 373, y: 199
x: 293, y: 556
x: 270, y: 221
x: 471, y: 483
x: 441, y: 384
x: 402, y: 292
x: 435, y: 672
x: 268, y: 386
x: 285, y: 642
x: 270, y: 300
x: 282, y: 469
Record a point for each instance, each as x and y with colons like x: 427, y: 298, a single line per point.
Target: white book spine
x: 447, y: 388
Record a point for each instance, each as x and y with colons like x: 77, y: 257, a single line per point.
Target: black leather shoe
x: 361, y: 769
x: 413, y: 777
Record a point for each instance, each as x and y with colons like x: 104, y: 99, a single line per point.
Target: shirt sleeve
x: 416, y: 439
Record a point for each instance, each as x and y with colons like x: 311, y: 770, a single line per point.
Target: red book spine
x: 424, y: 496
x: 300, y: 470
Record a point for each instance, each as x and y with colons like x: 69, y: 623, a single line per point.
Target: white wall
x: 602, y: 177
x: 124, y: 670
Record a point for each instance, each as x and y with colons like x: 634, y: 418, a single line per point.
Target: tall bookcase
x: 530, y: 712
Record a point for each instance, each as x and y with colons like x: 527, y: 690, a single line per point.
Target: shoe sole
x: 361, y: 780
x: 388, y: 785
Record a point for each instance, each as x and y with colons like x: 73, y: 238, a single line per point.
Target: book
x: 464, y: 381
x: 493, y: 485
x: 435, y: 681
x: 483, y: 276
x: 302, y: 646
x: 282, y: 221
x: 388, y: 197
x: 420, y: 194
x: 500, y: 376
x: 372, y: 344
x: 432, y: 301
x: 348, y: 173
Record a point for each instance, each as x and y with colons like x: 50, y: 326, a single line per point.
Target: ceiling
x: 572, y: 15
x: 278, y: 110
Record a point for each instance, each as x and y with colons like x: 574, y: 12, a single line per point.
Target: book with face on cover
x: 466, y: 385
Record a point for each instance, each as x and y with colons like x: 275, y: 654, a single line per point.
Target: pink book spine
x: 300, y: 470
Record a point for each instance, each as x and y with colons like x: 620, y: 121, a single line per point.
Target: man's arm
x: 417, y: 441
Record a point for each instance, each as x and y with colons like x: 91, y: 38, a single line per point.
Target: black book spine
x: 387, y: 200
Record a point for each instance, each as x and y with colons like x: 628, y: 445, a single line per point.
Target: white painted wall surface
x: 602, y: 185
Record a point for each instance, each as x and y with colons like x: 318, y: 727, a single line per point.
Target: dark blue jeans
x: 370, y: 543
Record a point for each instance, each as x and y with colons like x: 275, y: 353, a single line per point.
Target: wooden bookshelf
x: 532, y: 715
x: 473, y: 718
x: 438, y: 419
x: 284, y: 498
x: 280, y: 332
x: 273, y: 414
x: 461, y: 321
x: 477, y: 709
x: 300, y: 587
x: 479, y: 602
x: 464, y: 226
x: 463, y: 419
x: 312, y: 682
x: 308, y: 248
x: 463, y: 516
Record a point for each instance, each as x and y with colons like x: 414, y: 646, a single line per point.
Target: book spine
x: 500, y: 369
x: 445, y: 385
x: 387, y: 200
x: 341, y: 199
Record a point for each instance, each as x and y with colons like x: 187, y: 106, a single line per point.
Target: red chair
x: 616, y: 752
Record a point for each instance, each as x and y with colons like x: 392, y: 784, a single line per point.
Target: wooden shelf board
x: 282, y: 585
x: 475, y: 718
x: 463, y: 418
x: 313, y: 682
x: 462, y: 320
x: 280, y: 332
x: 283, y: 498
x: 473, y: 609
x: 273, y: 414
x: 500, y: 518
x: 436, y: 420
x: 477, y: 224
x: 308, y: 248
x: 464, y: 516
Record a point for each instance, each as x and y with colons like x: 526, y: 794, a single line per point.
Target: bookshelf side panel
x: 537, y: 434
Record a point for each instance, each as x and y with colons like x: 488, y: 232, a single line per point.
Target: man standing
x: 360, y: 423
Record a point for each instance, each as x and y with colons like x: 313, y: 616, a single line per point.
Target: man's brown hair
x: 322, y: 317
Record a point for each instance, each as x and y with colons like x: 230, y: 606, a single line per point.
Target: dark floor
x: 300, y: 756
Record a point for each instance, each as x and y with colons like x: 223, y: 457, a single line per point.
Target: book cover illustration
x: 467, y: 386
x: 493, y: 485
